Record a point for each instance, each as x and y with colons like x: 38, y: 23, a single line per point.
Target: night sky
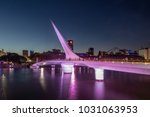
x: 102, y: 24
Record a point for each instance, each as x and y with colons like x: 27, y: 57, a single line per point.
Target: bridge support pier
x: 53, y: 66
x: 99, y: 74
x: 67, y: 68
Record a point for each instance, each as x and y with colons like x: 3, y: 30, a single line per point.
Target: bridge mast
x: 70, y: 55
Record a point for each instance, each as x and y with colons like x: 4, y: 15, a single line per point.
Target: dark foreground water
x: 50, y: 83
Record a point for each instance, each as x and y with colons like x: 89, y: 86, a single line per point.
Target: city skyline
x: 100, y: 24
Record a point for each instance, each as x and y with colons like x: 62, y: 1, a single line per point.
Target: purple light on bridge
x: 68, y: 52
x: 67, y: 66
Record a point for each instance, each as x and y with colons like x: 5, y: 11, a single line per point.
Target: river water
x: 52, y: 84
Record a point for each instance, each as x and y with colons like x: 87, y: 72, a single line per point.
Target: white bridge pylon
x: 74, y: 60
x: 70, y: 55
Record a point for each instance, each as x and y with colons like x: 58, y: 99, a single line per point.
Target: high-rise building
x: 145, y: 52
x: 25, y: 53
x: 2, y: 52
x: 31, y: 52
x: 70, y: 43
x: 56, y: 51
x: 91, y: 51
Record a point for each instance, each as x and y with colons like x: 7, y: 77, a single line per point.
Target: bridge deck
x: 138, y: 68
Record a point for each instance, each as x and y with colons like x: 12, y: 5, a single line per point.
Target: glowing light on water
x: 79, y: 69
x: 3, y: 76
x: 53, y: 72
x: 64, y: 82
x: 11, y: 72
x: 99, y: 90
x: 73, y: 87
x: 72, y: 76
x: 42, y: 80
x: 42, y: 73
x: 4, y: 86
x: 53, y: 67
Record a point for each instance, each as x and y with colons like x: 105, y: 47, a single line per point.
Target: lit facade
x: 25, y: 53
x: 31, y: 52
x: 145, y: 52
x: 70, y: 43
x: 2, y: 52
x: 91, y: 51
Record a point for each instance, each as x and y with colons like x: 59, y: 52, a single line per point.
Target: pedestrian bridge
x: 99, y: 67
x: 74, y: 60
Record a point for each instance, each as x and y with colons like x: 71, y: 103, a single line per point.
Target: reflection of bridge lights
x: 79, y: 69
x: 11, y: 70
x: 73, y: 76
x: 99, y: 74
x: 4, y: 86
x: 72, y: 90
x: 42, y: 73
x: 42, y: 80
x: 3, y: 76
x: 53, y: 72
x: 99, y: 90
x: 53, y: 69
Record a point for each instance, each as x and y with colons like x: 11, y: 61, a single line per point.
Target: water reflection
x: 99, y: 90
x: 73, y: 86
x: 80, y: 70
x: 42, y: 79
x: 46, y: 83
x: 53, y: 71
x: 69, y: 88
x: 3, y: 89
x: 64, y: 86
x: 61, y: 86
x: 68, y: 85
x: 11, y: 70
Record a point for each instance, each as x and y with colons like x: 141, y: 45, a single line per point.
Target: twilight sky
x: 102, y: 24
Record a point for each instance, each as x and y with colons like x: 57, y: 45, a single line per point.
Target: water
x: 51, y: 84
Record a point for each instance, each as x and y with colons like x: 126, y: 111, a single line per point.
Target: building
x: 31, y: 52
x: 25, y: 53
x: 145, y: 52
x: 102, y: 54
x: 70, y: 43
x: 2, y: 52
x: 56, y: 51
x: 91, y: 51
